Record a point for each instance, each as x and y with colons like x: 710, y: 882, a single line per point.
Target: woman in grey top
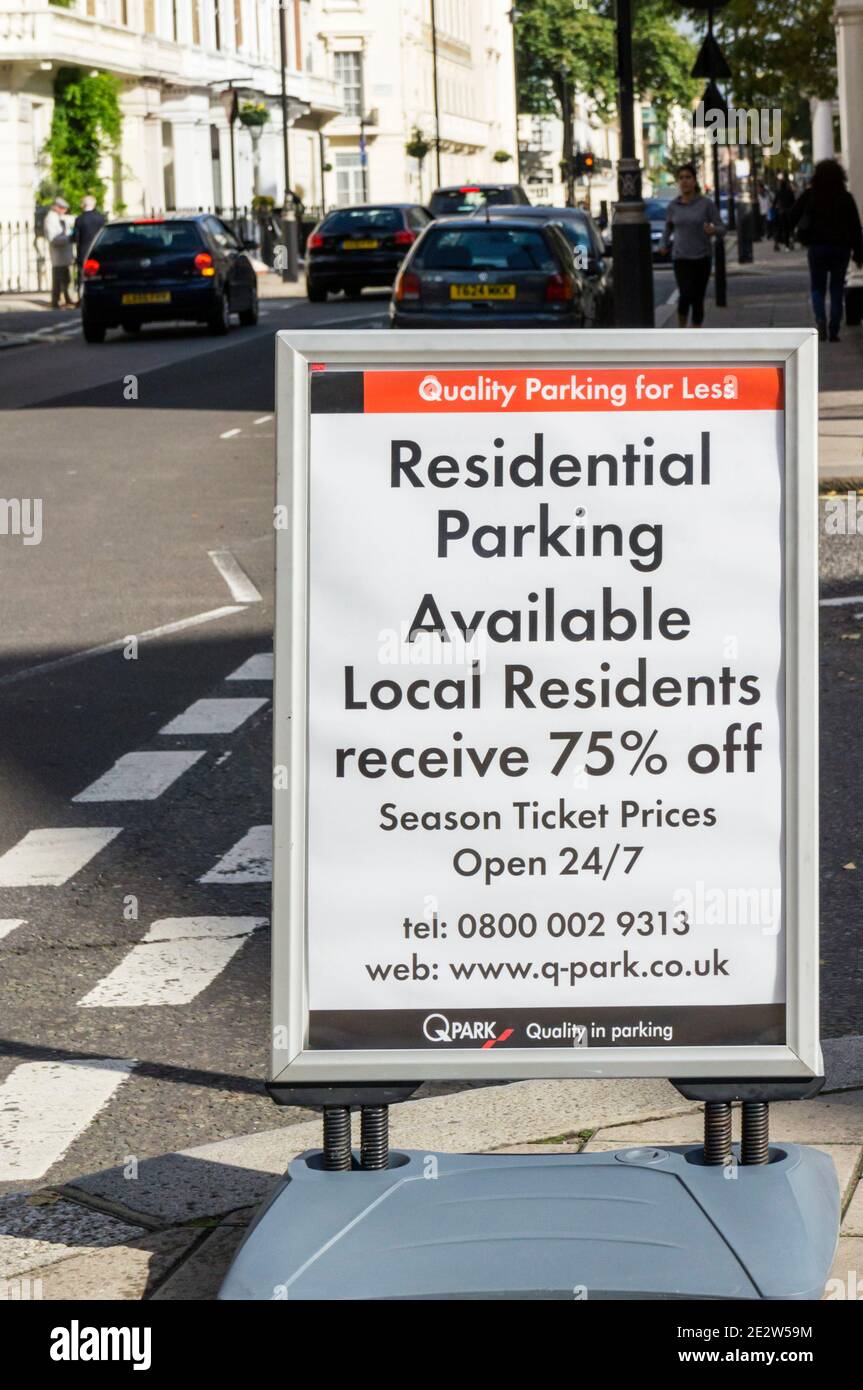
x: 690, y: 226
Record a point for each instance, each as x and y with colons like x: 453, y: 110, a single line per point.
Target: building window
x: 349, y: 76
x: 149, y: 16
x: 196, y: 21
x: 218, y: 25
x: 238, y: 24
x: 349, y: 178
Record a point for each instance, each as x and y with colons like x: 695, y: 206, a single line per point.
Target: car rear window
x: 484, y: 247
x: 147, y: 238
x: 350, y: 220
x: 456, y: 200
x: 655, y: 210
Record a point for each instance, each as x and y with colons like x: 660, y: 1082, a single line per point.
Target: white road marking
x: 241, y: 587
x: 173, y: 963
x: 250, y: 860
x: 357, y: 318
x: 229, y: 434
x: 834, y: 602
x: 50, y: 857
x: 118, y: 643
x: 258, y: 668
x: 213, y: 716
x: 140, y: 776
x: 44, y: 1106
x: 8, y: 924
x: 263, y: 420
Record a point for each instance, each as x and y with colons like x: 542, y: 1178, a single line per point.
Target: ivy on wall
x: 85, y: 126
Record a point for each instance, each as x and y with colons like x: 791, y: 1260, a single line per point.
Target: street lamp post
x: 436, y: 95
x: 514, y: 17
x: 631, y: 248
x: 290, y: 271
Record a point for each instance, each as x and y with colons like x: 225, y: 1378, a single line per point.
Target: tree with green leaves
x: 565, y: 48
x: 85, y: 126
x: 782, y: 54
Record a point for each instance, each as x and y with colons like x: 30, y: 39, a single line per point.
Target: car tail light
x: 404, y: 238
x: 408, y: 286
x: 470, y: 188
x: 315, y: 242
x: 91, y: 268
x: 147, y: 221
x: 204, y: 263
x: 560, y: 288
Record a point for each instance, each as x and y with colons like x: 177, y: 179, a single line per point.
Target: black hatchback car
x: 592, y: 263
x: 147, y: 269
x: 358, y: 246
x: 473, y: 272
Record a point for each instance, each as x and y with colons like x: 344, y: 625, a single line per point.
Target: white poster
x: 545, y: 697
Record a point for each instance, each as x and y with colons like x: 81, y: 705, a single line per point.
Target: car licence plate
x: 360, y: 245
x: 160, y: 297
x: 482, y: 291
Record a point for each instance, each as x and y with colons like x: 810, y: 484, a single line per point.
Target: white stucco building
x: 174, y: 58
x: 359, y: 78
x: 849, y: 51
x: 382, y: 53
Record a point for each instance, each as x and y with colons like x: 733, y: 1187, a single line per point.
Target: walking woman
x: 828, y: 225
x: 690, y: 226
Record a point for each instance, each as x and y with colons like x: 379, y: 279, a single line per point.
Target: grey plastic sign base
x: 644, y: 1223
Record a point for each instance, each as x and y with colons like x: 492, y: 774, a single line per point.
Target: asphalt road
x: 102, y: 1055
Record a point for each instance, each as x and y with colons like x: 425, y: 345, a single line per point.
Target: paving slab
x: 843, y: 1063
x: 200, y: 1277
x: 124, y: 1272
x: 832, y: 1119
x: 216, y: 1178
x: 846, y: 1276
x: 36, y: 1236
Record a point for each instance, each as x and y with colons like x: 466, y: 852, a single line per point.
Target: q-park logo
x: 438, y: 1028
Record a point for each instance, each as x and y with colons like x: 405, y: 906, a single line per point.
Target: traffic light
x: 584, y: 163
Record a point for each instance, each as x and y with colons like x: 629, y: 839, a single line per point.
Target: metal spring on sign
x: 374, y: 1136
x: 755, y: 1141
x: 717, y: 1132
x: 337, y: 1138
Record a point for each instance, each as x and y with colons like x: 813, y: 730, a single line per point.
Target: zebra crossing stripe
x: 49, y: 857
x: 8, y: 924
x: 140, y: 776
x: 250, y: 860
x: 175, y: 961
x: 214, y: 716
x: 257, y: 668
x: 44, y: 1106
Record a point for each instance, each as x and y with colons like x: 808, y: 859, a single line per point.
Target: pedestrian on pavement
x: 828, y: 225
x: 88, y: 222
x: 783, y: 202
x: 763, y: 210
x: 690, y: 226
x: 57, y: 233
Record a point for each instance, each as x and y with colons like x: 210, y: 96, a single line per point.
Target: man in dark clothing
x: 88, y: 222
x: 828, y: 225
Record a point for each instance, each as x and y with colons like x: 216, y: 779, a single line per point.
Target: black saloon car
x: 473, y: 272
x: 148, y: 269
x: 358, y: 246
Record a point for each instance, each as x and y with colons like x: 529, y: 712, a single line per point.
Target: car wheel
x: 249, y: 317
x: 354, y: 291
x: 94, y: 332
x: 219, y: 320
x: 315, y: 294
x: 128, y: 326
